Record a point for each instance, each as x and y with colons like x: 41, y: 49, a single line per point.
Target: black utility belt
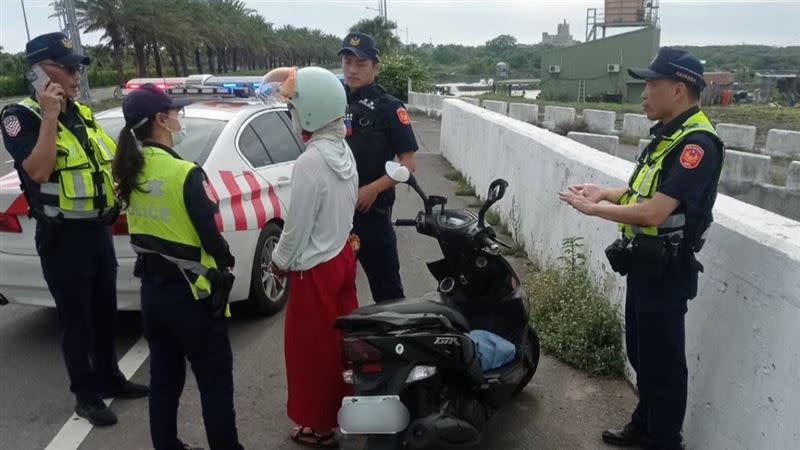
x: 657, y: 253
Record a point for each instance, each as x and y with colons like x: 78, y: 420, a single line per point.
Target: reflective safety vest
x: 159, y: 222
x: 648, y: 176
x: 80, y: 186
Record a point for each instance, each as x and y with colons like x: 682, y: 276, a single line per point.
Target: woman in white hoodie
x: 314, y: 251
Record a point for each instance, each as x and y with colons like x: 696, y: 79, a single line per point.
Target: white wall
x: 743, y: 330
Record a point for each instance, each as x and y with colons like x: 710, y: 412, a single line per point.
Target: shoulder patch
x: 402, y: 114
x: 691, y: 156
x: 12, y: 126
x: 210, y: 193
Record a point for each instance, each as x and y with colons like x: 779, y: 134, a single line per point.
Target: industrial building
x: 597, y: 69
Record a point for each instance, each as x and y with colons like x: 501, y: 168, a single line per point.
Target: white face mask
x: 177, y: 136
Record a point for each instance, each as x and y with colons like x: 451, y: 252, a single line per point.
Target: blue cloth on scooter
x: 493, y: 351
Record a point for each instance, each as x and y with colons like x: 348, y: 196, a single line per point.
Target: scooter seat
x: 415, y: 306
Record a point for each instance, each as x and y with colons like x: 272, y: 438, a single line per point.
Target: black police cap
x: 55, y: 46
x: 361, y: 45
x: 145, y: 102
x: 673, y: 64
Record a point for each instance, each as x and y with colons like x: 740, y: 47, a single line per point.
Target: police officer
x: 378, y: 130
x: 63, y: 158
x: 663, y: 214
x: 182, y: 262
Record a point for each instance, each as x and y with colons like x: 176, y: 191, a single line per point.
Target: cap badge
x: 355, y: 41
x: 67, y: 43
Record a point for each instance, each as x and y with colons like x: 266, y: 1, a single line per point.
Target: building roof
x: 719, y: 78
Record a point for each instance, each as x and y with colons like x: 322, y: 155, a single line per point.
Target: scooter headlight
x: 420, y: 373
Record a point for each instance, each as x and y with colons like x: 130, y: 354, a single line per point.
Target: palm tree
x: 383, y: 32
x: 106, y: 16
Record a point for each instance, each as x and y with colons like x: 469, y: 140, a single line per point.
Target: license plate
x: 383, y: 414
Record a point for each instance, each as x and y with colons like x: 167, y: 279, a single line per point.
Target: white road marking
x: 73, y: 433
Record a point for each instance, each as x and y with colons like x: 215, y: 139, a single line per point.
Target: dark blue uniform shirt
x: 378, y: 130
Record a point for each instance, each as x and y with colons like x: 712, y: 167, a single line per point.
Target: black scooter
x: 416, y: 372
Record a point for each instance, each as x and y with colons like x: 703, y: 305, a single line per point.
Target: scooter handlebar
x: 405, y: 223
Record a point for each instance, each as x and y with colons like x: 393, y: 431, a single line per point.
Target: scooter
x: 415, y: 368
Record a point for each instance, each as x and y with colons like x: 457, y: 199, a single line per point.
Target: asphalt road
x: 561, y: 408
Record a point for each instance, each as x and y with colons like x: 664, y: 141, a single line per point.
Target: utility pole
x: 75, y: 36
x: 25, y: 16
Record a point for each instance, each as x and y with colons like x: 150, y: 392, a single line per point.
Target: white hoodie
x: 323, y: 200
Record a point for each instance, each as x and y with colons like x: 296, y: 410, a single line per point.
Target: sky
x: 473, y: 22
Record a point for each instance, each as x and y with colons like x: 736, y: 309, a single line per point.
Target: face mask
x: 177, y: 136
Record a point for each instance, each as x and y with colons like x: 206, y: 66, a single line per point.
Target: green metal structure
x: 597, y: 70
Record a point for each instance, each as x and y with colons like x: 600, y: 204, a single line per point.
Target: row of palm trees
x: 211, y: 36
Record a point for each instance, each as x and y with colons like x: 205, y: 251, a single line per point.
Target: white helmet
x: 316, y: 94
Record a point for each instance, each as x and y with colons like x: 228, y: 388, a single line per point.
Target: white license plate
x: 384, y: 414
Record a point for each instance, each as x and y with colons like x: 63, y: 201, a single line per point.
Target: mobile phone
x: 38, y: 78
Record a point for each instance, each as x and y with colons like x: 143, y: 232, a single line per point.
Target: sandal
x: 309, y: 438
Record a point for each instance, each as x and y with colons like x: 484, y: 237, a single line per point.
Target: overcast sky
x: 697, y: 22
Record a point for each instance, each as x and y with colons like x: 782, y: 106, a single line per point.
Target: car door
x: 273, y: 160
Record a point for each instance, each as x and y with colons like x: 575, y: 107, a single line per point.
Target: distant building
x: 501, y: 70
x: 717, y: 84
x: 560, y: 39
x: 775, y: 82
x: 598, y: 70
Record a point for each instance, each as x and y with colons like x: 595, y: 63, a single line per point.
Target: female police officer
x: 171, y: 222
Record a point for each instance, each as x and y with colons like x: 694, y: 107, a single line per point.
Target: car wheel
x: 268, y: 293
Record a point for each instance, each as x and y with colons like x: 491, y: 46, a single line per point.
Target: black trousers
x: 656, y: 344
x: 80, y: 268
x: 378, y: 254
x: 178, y: 327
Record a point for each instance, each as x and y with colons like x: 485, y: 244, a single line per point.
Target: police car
x: 247, y: 150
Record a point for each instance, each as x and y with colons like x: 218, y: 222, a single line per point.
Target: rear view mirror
x: 397, y: 172
x: 497, y: 190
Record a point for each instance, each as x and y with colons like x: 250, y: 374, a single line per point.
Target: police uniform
x: 73, y: 212
x: 684, y: 162
x: 174, y: 233
x: 378, y: 130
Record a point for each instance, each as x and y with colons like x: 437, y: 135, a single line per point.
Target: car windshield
x: 201, y: 135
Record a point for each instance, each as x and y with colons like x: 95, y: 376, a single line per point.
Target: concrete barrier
x: 643, y: 143
x: 598, y: 121
x: 793, y: 180
x: 741, y: 330
x: 783, y: 143
x: 744, y: 169
x: 606, y: 144
x: 558, y: 116
x: 430, y: 104
x: 636, y: 125
x: 496, y: 106
x: 739, y: 137
x: 525, y: 112
x: 470, y: 100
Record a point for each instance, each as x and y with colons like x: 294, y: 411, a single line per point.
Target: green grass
x: 576, y: 322
x: 463, y: 188
x: 492, y: 218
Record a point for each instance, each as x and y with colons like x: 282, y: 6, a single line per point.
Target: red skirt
x: 312, y: 344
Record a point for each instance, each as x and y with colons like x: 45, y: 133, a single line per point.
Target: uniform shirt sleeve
x: 202, y: 206
x: 401, y: 135
x: 20, y: 132
x: 692, y: 169
x: 302, y: 213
